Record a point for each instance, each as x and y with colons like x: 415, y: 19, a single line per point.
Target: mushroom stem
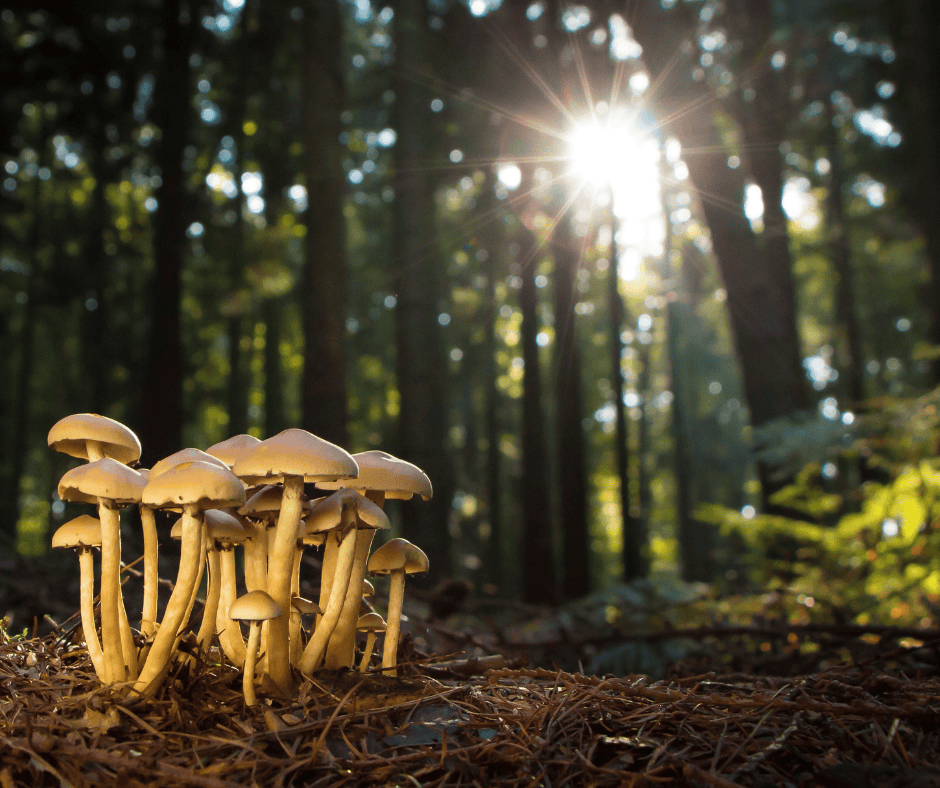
x: 230, y: 634
x: 251, y: 659
x: 256, y: 558
x: 341, y: 652
x: 344, y: 561
x: 210, y: 609
x: 200, y: 570
x: 396, y: 596
x: 87, y: 572
x: 148, y: 616
x: 161, y: 651
x: 280, y: 564
x: 367, y: 654
x: 128, y: 646
x: 110, y: 591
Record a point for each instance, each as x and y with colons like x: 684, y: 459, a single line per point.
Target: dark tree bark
x: 570, y: 467
x: 161, y: 420
x: 323, y: 285
x: 537, y: 543
x: 758, y: 284
x: 417, y: 281
x: 850, y: 355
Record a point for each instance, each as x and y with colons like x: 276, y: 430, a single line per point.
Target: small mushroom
x: 111, y: 485
x: 343, y: 515
x: 254, y: 607
x: 223, y: 532
x: 299, y: 607
x: 396, y: 558
x: 83, y: 534
x: 370, y: 623
x: 381, y: 476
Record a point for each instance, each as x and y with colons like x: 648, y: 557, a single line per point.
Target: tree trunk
x: 537, y: 543
x: 633, y: 541
x: 758, y: 283
x: 570, y: 467
x: 417, y: 274
x: 323, y: 285
x: 161, y: 422
x: 850, y: 355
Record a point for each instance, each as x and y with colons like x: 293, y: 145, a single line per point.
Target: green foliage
x: 865, y: 554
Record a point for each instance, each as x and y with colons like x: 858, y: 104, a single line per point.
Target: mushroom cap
x: 225, y: 528
x: 367, y: 588
x: 382, y: 472
x: 254, y: 606
x: 182, y: 456
x: 83, y: 531
x: 194, y: 484
x: 327, y: 513
x: 295, y: 452
x: 105, y: 478
x: 69, y: 435
x: 397, y: 554
x: 232, y: 448
x: 265, y: 502
x: 371, y: 622
x: 304, y: 606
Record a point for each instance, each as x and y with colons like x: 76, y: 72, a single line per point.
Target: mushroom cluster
x: 241, y: 494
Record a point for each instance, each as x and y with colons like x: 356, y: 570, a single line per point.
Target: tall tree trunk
x: 23, y: 379
x: 632, y: 540
x: 323, y: 285
x: 759, y: 286
x: 537, y: 543
x: 275, y: 419
x: 161, y: 422
x: 850, y: 355
x: 570, y: 467
x: 492, y: 472
x: 418, y: 269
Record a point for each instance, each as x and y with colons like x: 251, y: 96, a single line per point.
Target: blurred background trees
x: 629, y: 281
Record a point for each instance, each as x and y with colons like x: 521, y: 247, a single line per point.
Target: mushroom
x: 299, y: 607
x: 89, y: 436
x: 381, y: 476
x: 396, y: 558
x: 223, y: 532
x: 254, y: 607
x: 195, y: 487
x: 82, y: 534
x: 111, y: 485
x: 342, y: 515
x: 370, y: 623
x: 148, y: 523
x: 291, y: 457
x: 232, y: 448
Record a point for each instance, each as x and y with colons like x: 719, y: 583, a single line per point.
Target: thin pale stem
x: 87, y: 572
x: 230, y: 634
x: 251, y: 660
x: 148, y: 616
x: 396, y: 597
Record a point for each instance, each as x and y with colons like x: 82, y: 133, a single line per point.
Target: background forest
x: 651, y: 290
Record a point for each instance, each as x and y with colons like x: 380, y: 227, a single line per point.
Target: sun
x: 620, y: 163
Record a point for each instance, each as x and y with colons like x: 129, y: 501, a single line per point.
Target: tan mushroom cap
x: 232, y: 448
x: 254, y: 606
x: 104, y: 478
x: 367, y: 588
x: 197, y: 483
x: 83, y: 531
x: 70, y: 434
x: 225, y: 528
x: 304, y: 606
x: 327, y: 513
x: 381, y: 472
x: 398, y: 554
x: 265, y: 502
x: 371, y: 622
x: 183, y: 456
x: 295, y: 452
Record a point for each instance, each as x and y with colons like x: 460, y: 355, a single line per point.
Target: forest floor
x: 858, y: 712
